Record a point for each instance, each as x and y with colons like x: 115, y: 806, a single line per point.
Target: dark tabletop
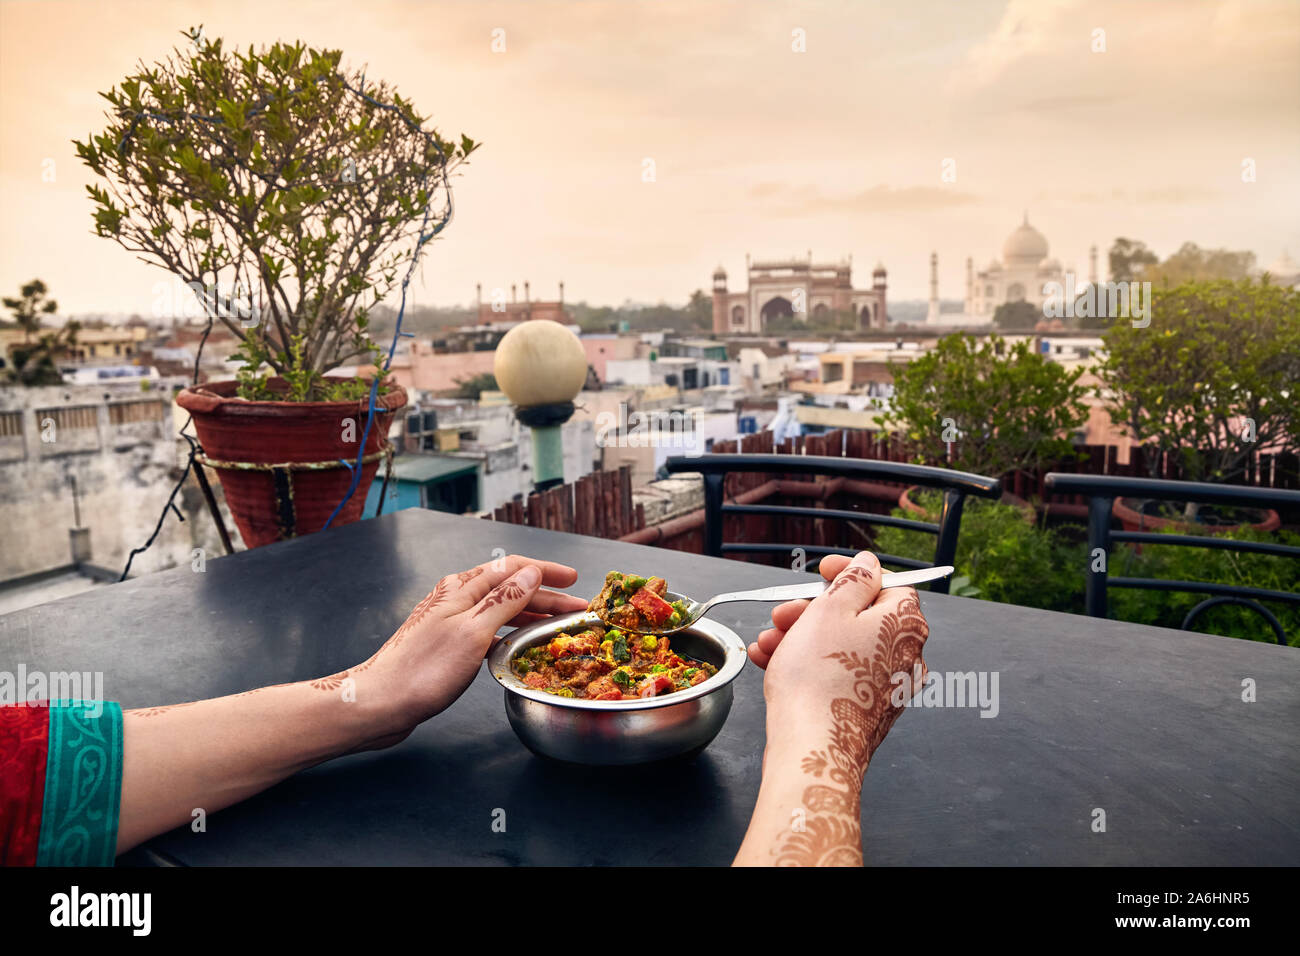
x: 1144, y: 723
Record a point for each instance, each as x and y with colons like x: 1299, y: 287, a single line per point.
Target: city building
x: 497, y: 309
x: 94, y: 344
x: 796, y: 287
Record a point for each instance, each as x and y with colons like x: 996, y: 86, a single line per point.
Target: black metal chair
x: 956, y: 485
x: 1101, y: 492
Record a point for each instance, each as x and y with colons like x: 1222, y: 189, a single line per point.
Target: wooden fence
x: 600, y: 504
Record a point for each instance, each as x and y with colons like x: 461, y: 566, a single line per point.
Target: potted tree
x: 291, y: 197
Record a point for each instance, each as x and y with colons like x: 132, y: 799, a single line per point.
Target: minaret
x: 719, y: 299
x: 1092, y: 264
x: 970, y: 285
x: 932, y: 317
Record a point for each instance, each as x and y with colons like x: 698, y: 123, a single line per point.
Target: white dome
x: 1026, y: 244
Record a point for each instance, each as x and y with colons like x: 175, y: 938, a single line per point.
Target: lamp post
x: 541, y: 367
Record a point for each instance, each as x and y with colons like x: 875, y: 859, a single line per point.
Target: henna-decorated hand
x: 846, y: 645
x: 436, y: 653
x: 830, y: 687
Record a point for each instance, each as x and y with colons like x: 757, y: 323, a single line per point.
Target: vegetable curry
x: 601, y: 663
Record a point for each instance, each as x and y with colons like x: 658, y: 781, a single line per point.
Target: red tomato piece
x: 654, y: 608
x: 611, y: 695
x: 654, y: 684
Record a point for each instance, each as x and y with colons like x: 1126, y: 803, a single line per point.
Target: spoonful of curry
x: 644, y: 605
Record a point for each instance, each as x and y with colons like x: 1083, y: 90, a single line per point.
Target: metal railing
x: 956, y: 486
x: 1101, y: 492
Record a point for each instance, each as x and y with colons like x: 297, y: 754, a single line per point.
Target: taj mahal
x: 1020, y: 276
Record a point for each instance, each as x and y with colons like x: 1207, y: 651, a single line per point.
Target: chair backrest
x: 1102, y: 491
x: 956, y: 485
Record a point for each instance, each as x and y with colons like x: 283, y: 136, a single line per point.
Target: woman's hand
x: 210, y: 754
x: 785, y: 615
x: 855, y: 641
x: 839, y: 670
x: 436, y: 653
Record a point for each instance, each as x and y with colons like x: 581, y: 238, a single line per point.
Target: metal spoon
x: 784, y: 592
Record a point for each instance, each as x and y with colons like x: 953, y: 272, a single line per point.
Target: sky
x: 774, y: 127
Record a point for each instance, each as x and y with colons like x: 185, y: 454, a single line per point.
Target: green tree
x: 1212, y: 378
x: 36, y: 363
x: 476, y: 385
x: 1192, y: 263
x: 1000, y: 407
x: 271, y: 180
x: 29, y: 306
x: 699, y: 310
x: 1020, y: 316
x: 1128, y: 258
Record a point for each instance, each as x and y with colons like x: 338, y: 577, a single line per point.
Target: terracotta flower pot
x: 1134, y: 520
x: 268, y: 505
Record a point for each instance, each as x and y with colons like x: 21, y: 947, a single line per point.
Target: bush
x: 1175, y: 563
x: 1006, y: 557
x: 1017, y: 561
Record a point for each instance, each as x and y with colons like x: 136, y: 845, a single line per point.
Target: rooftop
x: 422, y: 469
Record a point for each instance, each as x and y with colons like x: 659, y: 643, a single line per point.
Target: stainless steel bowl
x: 620, y: 732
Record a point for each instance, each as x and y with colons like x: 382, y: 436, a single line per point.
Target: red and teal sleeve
x: 60, y: 783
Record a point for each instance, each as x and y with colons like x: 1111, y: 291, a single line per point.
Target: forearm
x: 809, y: 807
x: 210, y: 754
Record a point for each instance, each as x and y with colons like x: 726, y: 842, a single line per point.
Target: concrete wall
x: 438, y: 371
x: 125, y: 465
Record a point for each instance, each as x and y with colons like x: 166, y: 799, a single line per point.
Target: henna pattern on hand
x: 505, y: 591
x: 156, y: 711
x: 333, y: 682
x: 422, y: 610
x: 467, y: 576
x: 832, y: 834
x: 258, y: 690
x: 853, y: 573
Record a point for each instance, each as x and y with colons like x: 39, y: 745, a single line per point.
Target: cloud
x: 1027, y: 28
x: 1172, y: 195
